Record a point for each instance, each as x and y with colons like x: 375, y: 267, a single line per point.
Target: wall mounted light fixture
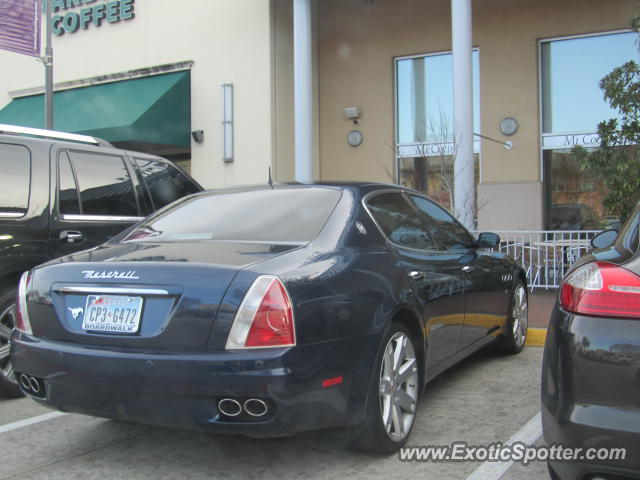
x: 227, y: 121
x: 198, y: 136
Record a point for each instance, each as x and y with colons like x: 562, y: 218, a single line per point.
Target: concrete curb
x: 536, y: 337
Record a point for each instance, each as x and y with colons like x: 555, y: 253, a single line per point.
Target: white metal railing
x: 546, y: 255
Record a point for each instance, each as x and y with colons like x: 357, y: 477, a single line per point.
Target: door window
x: 15, y: 164
x: 400, y: 222
x: 104, y: 184
x: 451, y: 235
x: 164, y: 182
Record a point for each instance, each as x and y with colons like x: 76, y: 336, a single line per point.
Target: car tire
x: 515, y: 333
x: 394, y: 391
x: 8, y: 384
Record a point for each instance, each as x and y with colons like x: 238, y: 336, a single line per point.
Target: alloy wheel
x: 398, y: 386
x: 7, y: 322
x: 520, y: 316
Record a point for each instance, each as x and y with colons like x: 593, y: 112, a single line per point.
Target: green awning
x: 152, y: 110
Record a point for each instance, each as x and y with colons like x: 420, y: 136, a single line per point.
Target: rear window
x: 15, y: 165
x: 164, y: 182
x: 270, y: 216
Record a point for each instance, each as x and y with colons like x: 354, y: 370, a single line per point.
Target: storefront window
x: 424, y: 123
x: 572, y: 108
x: 432, y: 175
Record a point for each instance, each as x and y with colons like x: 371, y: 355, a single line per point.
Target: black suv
x: 60, y: 193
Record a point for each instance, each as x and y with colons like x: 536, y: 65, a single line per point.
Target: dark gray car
x: 591, y: 366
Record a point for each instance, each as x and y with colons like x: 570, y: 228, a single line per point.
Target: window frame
x: 477, y: 145
x: 541, y: 133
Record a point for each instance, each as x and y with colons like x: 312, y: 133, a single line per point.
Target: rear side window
x: 400, y: 222
x: 293, y: 215
x: 15, y: 179
x: 164, y: 182
x: 104, y: 185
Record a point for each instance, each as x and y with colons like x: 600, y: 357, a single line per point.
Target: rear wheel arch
x: 408, y: 318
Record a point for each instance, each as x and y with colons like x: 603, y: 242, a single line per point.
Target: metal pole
x: 464, y: 170
x: 303, y: 90
x: 48, y: 72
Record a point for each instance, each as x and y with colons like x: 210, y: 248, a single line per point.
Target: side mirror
x: 488, y: 240
x: 604, y: 239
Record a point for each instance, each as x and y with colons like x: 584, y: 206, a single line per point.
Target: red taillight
x: 603, y: 289
x: 22, y: 318
x: 265, y: 317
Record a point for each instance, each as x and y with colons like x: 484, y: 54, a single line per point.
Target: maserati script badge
x: 92, y: 274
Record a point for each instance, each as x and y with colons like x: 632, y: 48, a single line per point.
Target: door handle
x: 71, y: 236
x: 467, y: 268
x: 416, y: 275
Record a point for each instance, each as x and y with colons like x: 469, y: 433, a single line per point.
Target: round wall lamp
x: 508, y: 126
x: 355, y: 138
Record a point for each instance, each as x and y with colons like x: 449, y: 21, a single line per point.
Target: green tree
x: 617, y: 161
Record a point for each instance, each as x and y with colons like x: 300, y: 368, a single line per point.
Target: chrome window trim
x: 115, y: 290
x: 100, y: 218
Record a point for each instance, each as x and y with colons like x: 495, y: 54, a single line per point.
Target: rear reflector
x: 265, y: 317
x: 603, y: 289
x: 330, y: 382
x: 22, y: 317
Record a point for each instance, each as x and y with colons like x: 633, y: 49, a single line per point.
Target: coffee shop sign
x: 550, y: 141
x: 70, y: 16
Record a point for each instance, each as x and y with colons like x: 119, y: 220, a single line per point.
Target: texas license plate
x: 112, y: 314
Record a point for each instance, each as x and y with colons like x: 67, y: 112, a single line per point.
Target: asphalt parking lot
x: 487, y: 398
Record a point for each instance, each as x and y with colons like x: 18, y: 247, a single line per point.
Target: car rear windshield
x: 289, y: 215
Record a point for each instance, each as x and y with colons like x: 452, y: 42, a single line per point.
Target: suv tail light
x: 22, y: 317
x: 265, y: 317
x: 603, y: 289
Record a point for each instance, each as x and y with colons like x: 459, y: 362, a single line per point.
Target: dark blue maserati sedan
x: 267, y: 311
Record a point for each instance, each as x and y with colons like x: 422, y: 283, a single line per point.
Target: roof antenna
x: 270, y: 180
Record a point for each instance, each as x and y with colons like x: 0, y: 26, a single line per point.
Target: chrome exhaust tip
x: 255, y: 407
x: 230, y: 407
x: 35, y: 384
x: 24, y: 381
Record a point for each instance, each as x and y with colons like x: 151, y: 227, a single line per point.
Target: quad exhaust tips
x: 30, y: 384
x: 230, y: 407
x: 254, y: 407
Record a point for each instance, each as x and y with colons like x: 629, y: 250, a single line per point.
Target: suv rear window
x: 164, y: 182
x: 15, y: 165
x: 294, y: 215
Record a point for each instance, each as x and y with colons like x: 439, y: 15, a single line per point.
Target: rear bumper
x: 179, y: 389
x: 590, y: 391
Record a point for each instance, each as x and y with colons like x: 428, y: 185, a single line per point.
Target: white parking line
x: 30, y: 421
x: 527, y: 435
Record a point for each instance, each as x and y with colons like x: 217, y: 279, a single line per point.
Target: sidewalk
x: 540, y: 306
